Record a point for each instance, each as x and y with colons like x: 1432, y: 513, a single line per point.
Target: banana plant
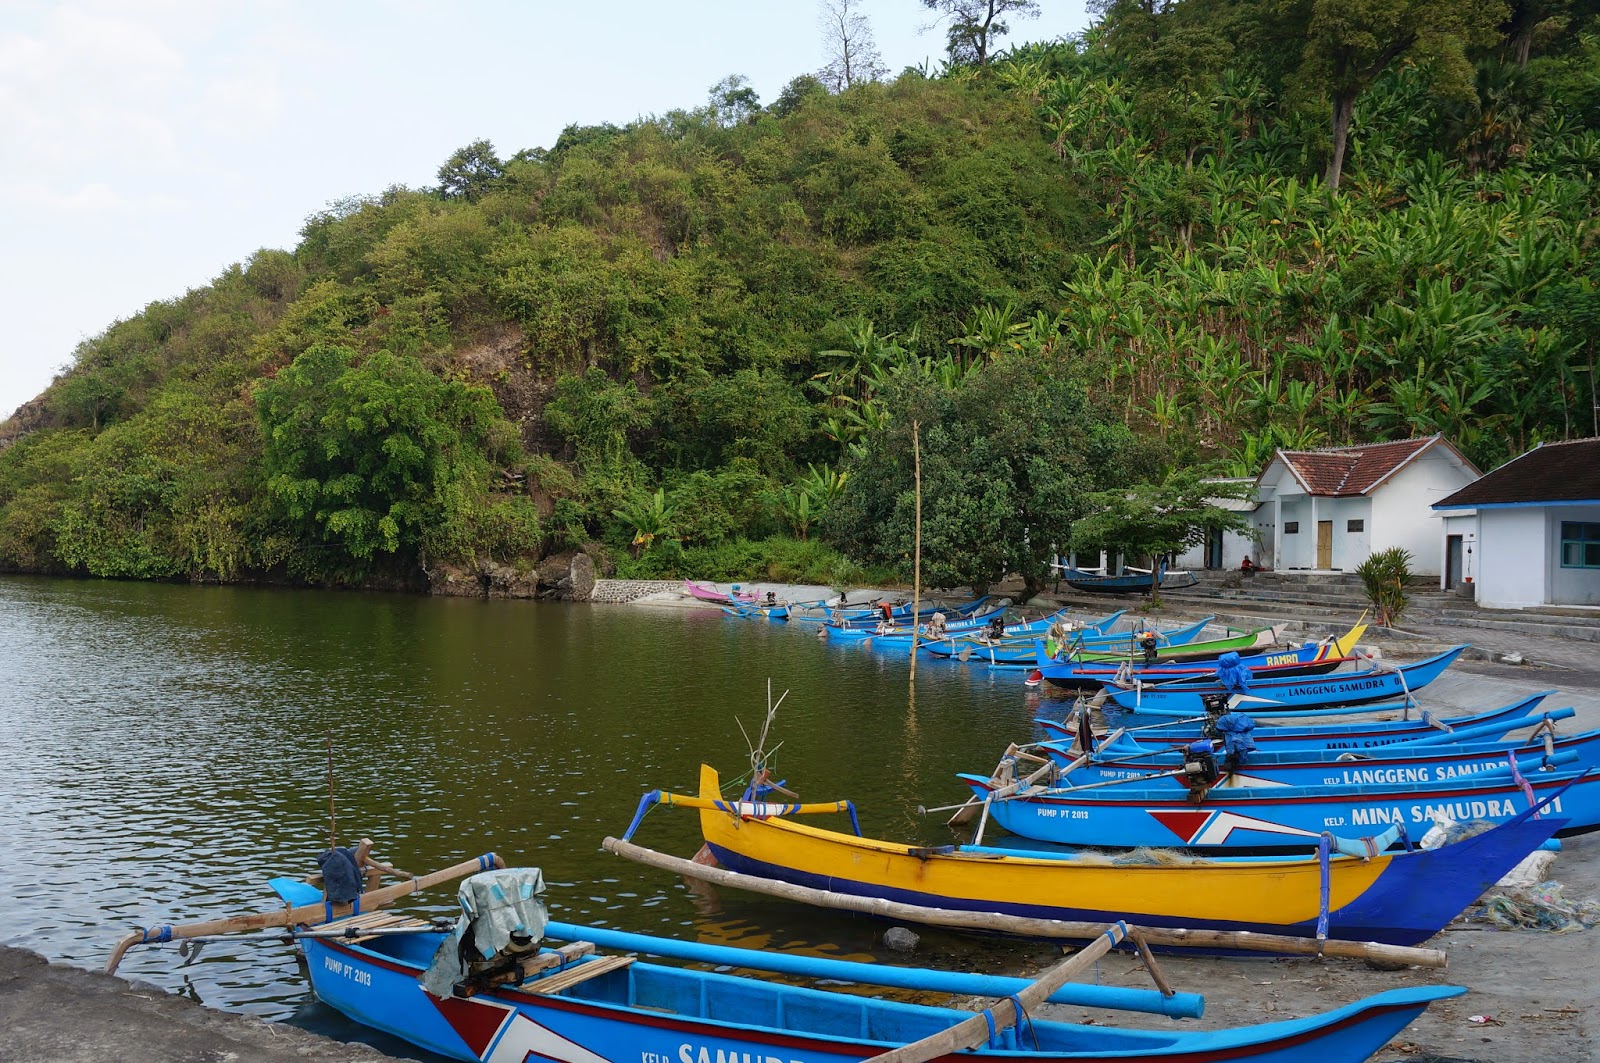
x: 650, y: 517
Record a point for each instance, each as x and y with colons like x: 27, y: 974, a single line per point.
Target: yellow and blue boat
x: 1399, y: 898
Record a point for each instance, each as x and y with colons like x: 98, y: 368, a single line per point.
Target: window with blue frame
x: 1580, y: 544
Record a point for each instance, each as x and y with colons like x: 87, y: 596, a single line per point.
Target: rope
x: 988, y: 1015
x: 1525, y: 786
x: 1024, y: 1017
x: 1324, y: 848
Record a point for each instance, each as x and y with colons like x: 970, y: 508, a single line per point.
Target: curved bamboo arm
x: 320, y: 912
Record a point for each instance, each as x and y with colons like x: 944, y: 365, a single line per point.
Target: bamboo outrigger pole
x: 319, y: 912
x: 916, y: 548
x: 976, y: 1031
x: 1024, y: 926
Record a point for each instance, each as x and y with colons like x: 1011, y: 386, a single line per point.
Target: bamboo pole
x: 1025, y: 926
x: 916, y: 549
x: 974, y: 1032
x: 305, y: 913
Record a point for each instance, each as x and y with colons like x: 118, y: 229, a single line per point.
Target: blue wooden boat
x: 1128, y: 581
x: 856, y: 616
x: 1019, y: 648
x: 776, y: 609
x: 878, y: 635
x: 1314, y: 658
x: 594, y: 1009
x: 1342, y: 736
x: 1288, y: 817
x: 1430, y: 758
x: 1347, y: 688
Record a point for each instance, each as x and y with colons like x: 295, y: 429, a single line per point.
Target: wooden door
x: 1452, y: 561
x: 1324, y: 544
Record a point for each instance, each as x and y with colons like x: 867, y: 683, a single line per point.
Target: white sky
x: 147, y: 144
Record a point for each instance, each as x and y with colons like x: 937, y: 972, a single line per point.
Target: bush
x: 778, y: 559
x: 1384, y: 575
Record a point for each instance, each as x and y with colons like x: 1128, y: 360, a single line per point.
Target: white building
x: 1224, y: 549
x: 1329, y: 510
x: 1529, y: 532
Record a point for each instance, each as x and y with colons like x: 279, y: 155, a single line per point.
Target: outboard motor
x: 502, y: 920
x: 1215, y: 706
x: 1147, y: 643
x: 1200, y: 770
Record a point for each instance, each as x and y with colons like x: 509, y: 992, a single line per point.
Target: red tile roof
x: 1346, y: 471
x: 1553, y: 472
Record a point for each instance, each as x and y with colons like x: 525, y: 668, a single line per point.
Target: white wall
x: 1513, y: 557
x: 1571, y: 586
x: 1349, y: 548
x: 1401, y: 513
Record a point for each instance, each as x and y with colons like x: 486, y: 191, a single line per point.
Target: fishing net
x: 1449, y: 831
x: 1540, y: 907
x: 1149, y: 855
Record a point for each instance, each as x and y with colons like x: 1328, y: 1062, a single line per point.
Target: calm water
x: 163, y: 751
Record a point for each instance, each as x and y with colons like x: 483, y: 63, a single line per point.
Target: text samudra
x: 1459, y: 811
x: 687, y: 1054
x: 1380, y: 776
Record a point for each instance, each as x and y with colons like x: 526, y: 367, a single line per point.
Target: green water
x: 164, y: 750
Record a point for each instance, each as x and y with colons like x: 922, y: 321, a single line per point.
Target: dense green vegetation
x: 1208, y: 229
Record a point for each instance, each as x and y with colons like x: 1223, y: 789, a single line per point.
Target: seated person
x: 1248, y: 565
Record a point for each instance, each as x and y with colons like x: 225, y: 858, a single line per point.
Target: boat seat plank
x: 555, y: 983
x: 370, y: 921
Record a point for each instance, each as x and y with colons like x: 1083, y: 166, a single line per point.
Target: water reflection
x: 164, y: 752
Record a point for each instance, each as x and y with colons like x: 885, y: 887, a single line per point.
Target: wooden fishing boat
x: 1343, y: 735
x: 1428, y: 758
x: 1112, y: 650
x: 972, y: 627
x: 1314, y: 658
x: 1288, y: 818
x: 675, y: 1013
x: 771, y: 608
x: 1268, y: 695
x: 855, y: 616
x: 865, y: 634
x: 1129, y: 581
x: 1398, y: 898
x: 711, y: 594
x: 1019, y: 648
x: 570, y: 1004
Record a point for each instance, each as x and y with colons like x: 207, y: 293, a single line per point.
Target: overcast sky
x: 145, y: 145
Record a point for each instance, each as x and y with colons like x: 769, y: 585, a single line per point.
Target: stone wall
x: 621, y: 591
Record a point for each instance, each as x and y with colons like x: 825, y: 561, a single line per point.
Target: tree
x: 732, y: 101
x: 380, y: 457
x: 975, y: 25
x: 1157, y: 519
x: 470, y: 172
x: 1348, y: 43
x: 1008, y: 454
x: 847, y: 41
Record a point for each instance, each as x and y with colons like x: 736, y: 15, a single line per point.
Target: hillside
x: 698, y: 339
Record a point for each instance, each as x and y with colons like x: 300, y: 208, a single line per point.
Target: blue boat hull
x: 1339, y: 736
x: 1321, y: 767
x: 1310, y: 659
x: 1351, y: 688
x: 672, y: 1015
x: 1260, y: 819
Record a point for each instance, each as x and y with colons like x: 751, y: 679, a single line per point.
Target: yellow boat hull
x: 1193, y: 892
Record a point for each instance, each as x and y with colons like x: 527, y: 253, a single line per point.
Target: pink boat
x: 711, y: 594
